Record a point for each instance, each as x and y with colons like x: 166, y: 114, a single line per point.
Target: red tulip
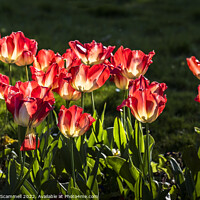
x: 17, y: 49
x: 132, y: 63
x: 4, y: 82
x: 29, y: 103
x: 91, y: 53
x: 194, y: 66
x: 46, y: 79
x: 63, y: 87
x: 71, y: 59
x: 120, y: 81
x: 72, y: 123
x: 45, y: 58
x: 29, y: 143
x: 198, y: 96
x: 146, y: 101
x: 88, y: 79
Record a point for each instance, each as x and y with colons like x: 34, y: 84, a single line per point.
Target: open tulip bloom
x: 72, y: 122
x: 17, y: 49
x: 146, y: 101
x: 132, y: 63
x: 91, y: 53
x: 87, y: 79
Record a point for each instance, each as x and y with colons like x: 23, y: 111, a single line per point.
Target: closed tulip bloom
x: 87, y: 79
x: 91, y: 53
x: 16, y: 47
x: 71, y: 59
x: 72, y: 122
x: 194, y: 66
x: 146, y: 102
x: 45, y: 58
x: 132, y: 63
x: 29, y: 143
x: 4, y: 82
x: 29, y: 103
x: 46, y: 79
x: 64, y: 88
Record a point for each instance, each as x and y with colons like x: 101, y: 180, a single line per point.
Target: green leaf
x: 123, y: 169
x: 177, y: 171
x: 197, y: 184
x: 103, y: 113
x: 12, y: 175
x: 28, y: 189
x: 141, y: 190
x: 91, y: 182
x: 191, y: 159
x: 50, y: 187
x: 197, y: 130
x: 189, y: 182
x: 119, y: 135
x: 5, y: 152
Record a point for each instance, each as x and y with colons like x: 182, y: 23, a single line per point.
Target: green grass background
x: 171, y: 28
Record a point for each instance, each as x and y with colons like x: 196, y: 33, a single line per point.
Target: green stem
x: 72, y: 160
x: 26, y: 69
x: 29, y: 169
x: 10, y: 73
x: 148, y: 156
x: 19, y: 134
x: 124, y: 112
x: 67, y: 104
x: 92, y: 100
x: 82, y: 100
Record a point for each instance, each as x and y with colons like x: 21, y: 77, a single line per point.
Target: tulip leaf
x: 123, y: 169
x: 12, y: 175
x: 148, y: 158
x: 5, y: 152
x: 177, y: 171
x: 92, y: 139
x: 119, y: 135
x: 28, y: 189
x: 191, y: 159
x: 197, y: 184
x: 103, y: 113
x: 141, y: 190
x: 50, y: 187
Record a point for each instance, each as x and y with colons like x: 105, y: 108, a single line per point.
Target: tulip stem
x: 92, y: 100
x: 148, y: 155
x: 82, y: 100
x: 124, y: 112
x: 72, y: 160
x: 26, y: 69
x: 10, y: 73
x: 67, y: 104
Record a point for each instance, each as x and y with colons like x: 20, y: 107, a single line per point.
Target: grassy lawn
x: 170, y: 28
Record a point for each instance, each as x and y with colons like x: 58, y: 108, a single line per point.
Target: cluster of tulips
x: 84, y: 68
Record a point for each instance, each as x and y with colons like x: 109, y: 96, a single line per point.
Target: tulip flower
x: 198, y: 96
x: 91, y: 53
x: 72, y: 122
x: 120, y: 81
x: 4, y: 82
x: 194, y: 66
x: 87, y: 79
x: 63, y: 87
x: 71, y: 59
x: 45, y: 58
x: 29, y: 143
x: 146, y: 101
x: 18, y: 49
x: 46, y: 79
x: 132, y: 63
x: 29, y: 103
